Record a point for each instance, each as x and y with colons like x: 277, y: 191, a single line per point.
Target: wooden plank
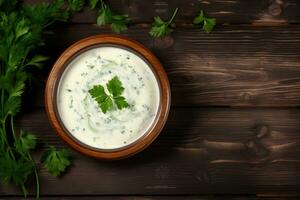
x: 248, y: 197
x: 237, y: 197
x: 229, y: 12
x: 201, y: 151
x: 233, y: 66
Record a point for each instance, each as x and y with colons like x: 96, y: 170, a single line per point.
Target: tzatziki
x: 79, y: 112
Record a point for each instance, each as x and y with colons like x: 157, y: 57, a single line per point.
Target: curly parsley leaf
x: 106, y: 102
x: 55, y: 160
x: 25, y: 142
x: 208, y: 24
x: 106, y: 16
x: 160, y: 28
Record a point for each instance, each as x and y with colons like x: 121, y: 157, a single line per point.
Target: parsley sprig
x: 160, y: 28
x: 21, y: 30
x: 106, y: 16
x: 55, y: 160
x: 207, y: 24
x: 107, y: 101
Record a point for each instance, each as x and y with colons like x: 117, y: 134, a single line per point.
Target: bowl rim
x: 105, y: 40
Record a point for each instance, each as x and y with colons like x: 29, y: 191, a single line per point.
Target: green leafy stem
x: 21, y: 30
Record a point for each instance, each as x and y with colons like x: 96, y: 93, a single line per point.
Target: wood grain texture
x: 233, y: 66
x: 200, y: 151
x: 203, y: 197
x: 226, y: 11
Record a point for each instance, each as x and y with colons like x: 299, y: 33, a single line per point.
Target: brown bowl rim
x: 108, y: 40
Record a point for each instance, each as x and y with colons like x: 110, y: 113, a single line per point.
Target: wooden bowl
x: 106, y: 40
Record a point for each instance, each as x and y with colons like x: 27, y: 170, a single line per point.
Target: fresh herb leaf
x: 114, y: 86
x: 25, y: 142
x: 121, y: 102
x: 106, y: 16
x: 100, y: 96
x: 106, y: 102
x: 15, y: 171
x: 160, y: 28
x: 119, y: 23
x: 21, y: 28
x: 55, y: 160
x: 208, y: 24
x: 76, y: 5
x: 37, y: 61
x: 106, y: 105
x: 93, y: 3
x: 44, y: 14
x: 15, y: 90
x: 98, y: 93
x: 21, y: 31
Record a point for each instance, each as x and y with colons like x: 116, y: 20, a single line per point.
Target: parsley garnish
x: 15, y: 171
x: 160, y: 28
x: 25, y: 142
x: 107, y: 16
x: 106, y: 101
x: 55, y: 160
x: 21, y: 30
x: 208, y: 24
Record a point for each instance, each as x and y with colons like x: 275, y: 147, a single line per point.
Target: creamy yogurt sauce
x: 80, y: 113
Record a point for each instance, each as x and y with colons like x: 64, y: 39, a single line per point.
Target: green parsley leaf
x: 25, y: 142
x: 103, y: 100
x: 21, y: 31
x: 121, y: 102
x: 208, y: 24
x: 160, y: 28
x: 43, y: 13
x: 106, y: 102
x: 104, y: 16
x: 106, y: 105
x: 93, y: 3
x: 76, y: 5
x: 107, y: 16
x: 55, y: 160
x: 119, y: 23
x: 37, y: 61
x: 22, y: 28
x: 15, y: 171
x: 98, y: 93
x: 115, y: 87
x: 16, y: 89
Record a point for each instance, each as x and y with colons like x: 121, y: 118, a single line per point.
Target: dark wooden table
x: 234, y: 126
